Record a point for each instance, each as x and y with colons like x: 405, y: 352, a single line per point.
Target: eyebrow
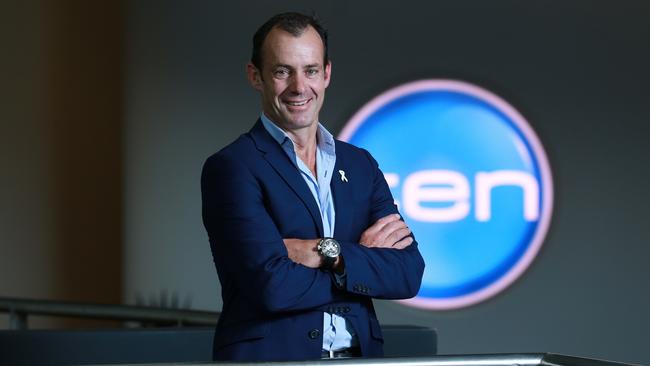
x: 281, y: 65
x: 317, y: 65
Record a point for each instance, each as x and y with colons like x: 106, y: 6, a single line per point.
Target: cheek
x: 319, y: 87
x: 279, y: 90
x: 273, y: 89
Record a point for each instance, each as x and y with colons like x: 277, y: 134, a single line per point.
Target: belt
x: 344, y: 353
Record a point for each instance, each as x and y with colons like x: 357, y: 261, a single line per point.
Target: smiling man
x: 303, y: 229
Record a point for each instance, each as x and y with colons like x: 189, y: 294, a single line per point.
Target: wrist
x: 329, y: 251
x: 339, y: 265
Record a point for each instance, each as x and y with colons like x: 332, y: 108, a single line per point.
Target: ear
x: 254, y: 76
x: 328, y: 73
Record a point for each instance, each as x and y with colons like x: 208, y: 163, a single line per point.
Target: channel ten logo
x: 471, y: 179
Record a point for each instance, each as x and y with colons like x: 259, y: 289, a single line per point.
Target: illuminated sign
x: 471, y: 179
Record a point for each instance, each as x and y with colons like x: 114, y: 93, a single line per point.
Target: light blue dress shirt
x: 337, y: 333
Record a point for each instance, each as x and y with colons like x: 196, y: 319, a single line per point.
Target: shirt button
x: 314, y: 333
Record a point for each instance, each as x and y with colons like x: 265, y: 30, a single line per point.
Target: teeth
x: 297, y: 104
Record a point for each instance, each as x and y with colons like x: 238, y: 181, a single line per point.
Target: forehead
x: 283, y: 47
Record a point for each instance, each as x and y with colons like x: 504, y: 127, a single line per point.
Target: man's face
x: 293, y: 78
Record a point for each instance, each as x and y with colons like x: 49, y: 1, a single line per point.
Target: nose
x: 298, y: 83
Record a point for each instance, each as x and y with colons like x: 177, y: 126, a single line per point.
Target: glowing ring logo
x: 471, y: 179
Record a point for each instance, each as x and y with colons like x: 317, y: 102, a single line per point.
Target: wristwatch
x: 329, y: 249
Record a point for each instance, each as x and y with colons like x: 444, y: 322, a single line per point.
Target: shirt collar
x: 324, y: 138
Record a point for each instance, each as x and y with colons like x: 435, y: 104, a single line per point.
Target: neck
x: 304, y: 142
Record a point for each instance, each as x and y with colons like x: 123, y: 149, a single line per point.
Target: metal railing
x: 523, y: 359
x: 20, y: 309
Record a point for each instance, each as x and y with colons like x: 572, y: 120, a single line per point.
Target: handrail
x: 529, y: 359
x: 521, y: 359
x: 19, y: 309
x: 514, y: 359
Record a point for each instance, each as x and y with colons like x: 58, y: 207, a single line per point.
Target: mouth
x: 297, y: 104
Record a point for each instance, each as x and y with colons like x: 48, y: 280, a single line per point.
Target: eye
x: 312, y: 72
x: 281, y: 73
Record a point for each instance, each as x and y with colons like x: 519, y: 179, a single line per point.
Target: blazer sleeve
x: 247, y: 247
x: 382, y: 272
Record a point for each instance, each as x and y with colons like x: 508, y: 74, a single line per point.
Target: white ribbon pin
x: 343, y: 177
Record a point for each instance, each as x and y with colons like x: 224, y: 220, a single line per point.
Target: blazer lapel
x: 342, y: 193
x: 280, y: 162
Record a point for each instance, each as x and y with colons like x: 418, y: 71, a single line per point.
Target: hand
x: 304, y: 252
x: 387, y: 232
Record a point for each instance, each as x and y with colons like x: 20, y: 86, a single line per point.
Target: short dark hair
x: 294, y: 23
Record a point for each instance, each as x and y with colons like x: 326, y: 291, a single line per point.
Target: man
x: 303, y: 229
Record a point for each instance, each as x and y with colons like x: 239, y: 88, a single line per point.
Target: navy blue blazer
x: 253, y: 197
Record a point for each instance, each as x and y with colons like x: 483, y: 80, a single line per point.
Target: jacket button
x: 314, y: 333
x: 346, y: 309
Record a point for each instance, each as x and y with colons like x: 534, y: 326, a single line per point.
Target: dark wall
x: 60, y: 151
x: 577, y: 70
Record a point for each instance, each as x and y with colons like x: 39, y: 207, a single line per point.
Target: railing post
x: 17, y: 320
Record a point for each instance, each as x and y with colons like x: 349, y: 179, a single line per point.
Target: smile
x: 297, y: 103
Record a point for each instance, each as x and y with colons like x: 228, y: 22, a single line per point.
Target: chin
x: 300, y: 122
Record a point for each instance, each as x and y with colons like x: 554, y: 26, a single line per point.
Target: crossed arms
x: 387, y: 232
x: 283, y: 274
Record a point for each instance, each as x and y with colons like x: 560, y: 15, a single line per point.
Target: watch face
x: 330, y: 248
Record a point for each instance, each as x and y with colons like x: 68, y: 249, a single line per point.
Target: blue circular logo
x: 470, y: 178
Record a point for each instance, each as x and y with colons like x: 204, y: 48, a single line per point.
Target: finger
x: 368, y: 240
x: 397, y: 235
x: 382, y: 222
x: 388, y: 230
x: 365, y: 239
x: 369, y: 236
x: 373, y: 236
x: 390, y: 227
x: 388, y: 218
x: 403, y: 243
x: 369, y: 244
